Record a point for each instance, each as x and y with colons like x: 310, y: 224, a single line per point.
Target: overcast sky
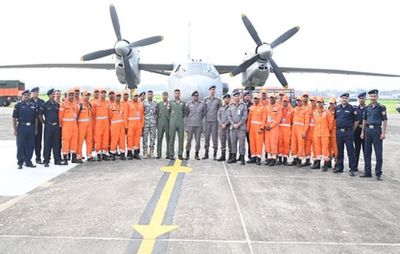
x: 352, y: 35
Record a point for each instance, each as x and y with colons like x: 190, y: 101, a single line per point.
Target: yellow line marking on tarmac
x: 12, y: 202
x: 155, y: 228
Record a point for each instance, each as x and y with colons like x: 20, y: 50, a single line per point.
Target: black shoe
x: 242, y: 162
x: 65, y: 160
x: 99, y: 157
x: 300, y: 164
x: 122, y: 156
x: 180, y: 157
x: 136, y: 154
x: 205, y: 156
x: 317, y: 165
x: 167, y: 157
x: 285, y: 162
x: 19, y: 166
x: 307, y: 163
x: 196, y: 156
x: 91, y: 159
x: 105, y: 157
x: 338, y: 171
x: 158, y: 157
x: 272, y: 163
x: 46, y: 165
x: 365, y: 175
x: 172, y: 158
x: 112, y: 155
x: 75, y: 160
x: 379, y: 178
x: 69, y: 156
x: 330, y: 164
x: 352, y: 173
x: 30, y: 165
x: 129, y: 155
x: 355, y: 170
x: 58, y: 163
x: 258, y: 161
x: 222, y: 158
x: 325, y: 167
x: 39, y: 162
x: 294, y: 162
x: 215, y: 155
x: 267, y: 162
x: 252, y: 160
x: 279, y: 162
x: 187, y: 155
x: 232, y: 159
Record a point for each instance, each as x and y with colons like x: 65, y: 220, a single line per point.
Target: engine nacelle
x: 256, y: 75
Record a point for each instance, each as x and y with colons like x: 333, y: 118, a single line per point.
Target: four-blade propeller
x: 264, y: 51
x: 122, y: 48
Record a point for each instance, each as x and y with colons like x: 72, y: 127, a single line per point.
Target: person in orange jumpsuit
x: 274, y: 117
x: 309, y: 147
x: 255, y: 127
x: 67, y: 117
x: 85, y: 130
x: 279, y: 100
x: 332, y: 144
x: 117, y: 127
x: 285, y: 131
x: 102, y: 125
x: 264, y: 97
x: 77, y: 96
x: 322, y: 131
x: 111, y: 96
x: 134, y: 122
x: 299, y: 131
x: 93, y: 99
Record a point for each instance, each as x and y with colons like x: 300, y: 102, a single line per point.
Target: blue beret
x: 363, y: 94
x: 195, y: 93
x: 211, y: 87
x: 142, y: 93
x: 35, y: 89
x: 373, y: 91
x: 345, y: 94
x: 235, y: 94
x: 26, y: 92
x: 226, y: 96
x: 50, y: 91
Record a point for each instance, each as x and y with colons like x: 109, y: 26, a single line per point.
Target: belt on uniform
x: 117, y: 121
x: 25, y: 123
x: 343, y: 129
x: 372, y: 126
x: 52, y: 123
x: 285, y: 124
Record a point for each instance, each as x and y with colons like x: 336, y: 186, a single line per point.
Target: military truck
x: 10, y: 91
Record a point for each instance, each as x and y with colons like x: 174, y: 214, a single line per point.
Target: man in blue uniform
x: 346, y: 122
x: 38, y: 136
x: 25, y: 125
x: 358, y: 142
x: 373, y: 133
x: 48, y: 115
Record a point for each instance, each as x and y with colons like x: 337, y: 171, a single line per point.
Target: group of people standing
x: 114, y: 127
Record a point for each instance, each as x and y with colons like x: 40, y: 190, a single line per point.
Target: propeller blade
x: 278, y: 73
x: 242, y: 67
x: 128, y: 73
x: 250, y: 28
x: 284, y: 37
x: 115, y: 22
x: 147, y: 41
x: 98, y: 54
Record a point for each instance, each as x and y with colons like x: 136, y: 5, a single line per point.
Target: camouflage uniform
x: 211, y: 123
x: 150, y: 126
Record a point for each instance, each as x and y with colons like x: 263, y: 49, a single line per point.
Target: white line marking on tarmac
x: 240, y: 213
x: 200, y: 240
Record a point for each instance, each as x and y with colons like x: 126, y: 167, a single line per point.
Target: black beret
x: 142, y: 93
x: 363, y: 94
x: 195, y: 93
x: 246, y: 93
x: 226, y: 96
x: 35, y: 89
x: 345, y: 94
x: 373, y: 91
x: 165, y: 93
x: 235, y: 94
x: 150, y: 91
x: 211, y: 87
x: 26, y: 92
x: 50, y: 91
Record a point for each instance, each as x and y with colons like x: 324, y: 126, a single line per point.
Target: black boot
x: 105, y: 157
x: 136, y: 154
x: 215, y: 155
x: 65, y: 160
x: 308, y: 163
x: 222, y: 158
x: 232, y: 159
x: 272, y: 162
x: 69, y: 156
x: 180, y: 157
x: 242, y: 162
x: 330, y: 164
x: 267, y: 162
x: 122, y: 156
x: 325, y: 167
x: 187, y: 155
x: 285, y: 162
x: 99, y: 157
x: 196, y: 156
x: 279, y: 162
x: 112, y: 155
x: 258, y: 161
x: 75, y: 159
x: 205, y: 156
x: 294, y: 162
x: 252, y: 160
x: 299, y: 163
x: 130, y: 155
x: 317, y: 164
x: 90, y: 158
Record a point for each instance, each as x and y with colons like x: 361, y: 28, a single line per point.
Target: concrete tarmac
x: 218, y: 208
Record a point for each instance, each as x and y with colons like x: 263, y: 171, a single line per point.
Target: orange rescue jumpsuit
x: 255, y: 127
x: 285, y: 128
x: 309, y: 146
x: 300, y: 125
x: 274, y: 116
x: 332, y: 141
x: 67, y: 117
x: 85, y: 129
x: 134, y: 121
x: 322, y: 129
x: 102, y: 125
x: 117, y: 127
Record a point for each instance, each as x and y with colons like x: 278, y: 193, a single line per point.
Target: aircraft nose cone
x: 122, y: 48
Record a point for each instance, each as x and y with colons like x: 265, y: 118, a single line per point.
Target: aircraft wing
x: 222, y: 69
x: 104, y: 66
x: 333, y: 71
x: 163, y: 69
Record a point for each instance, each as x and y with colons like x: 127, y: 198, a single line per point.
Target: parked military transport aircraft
x: 195, y: 74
